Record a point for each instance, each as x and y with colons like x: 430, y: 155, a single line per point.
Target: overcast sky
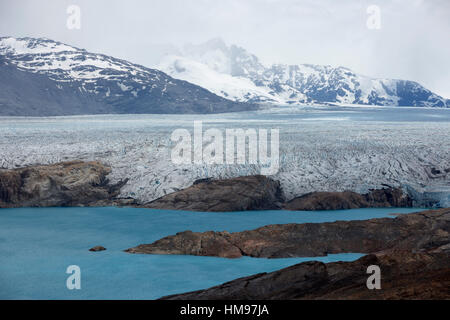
x: 413, y: 42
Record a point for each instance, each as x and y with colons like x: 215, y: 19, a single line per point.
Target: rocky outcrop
x: 97, y: 249
x: 416, y: 231
x: 237, y: 194
x: 74, y: 183
x: 193, y: 243
x: 262, y: 193
x: 380, y: 198
x: 80, y: 183
x: 404, y: 275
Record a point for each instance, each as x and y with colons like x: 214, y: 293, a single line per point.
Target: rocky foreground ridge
x: 73, y: 184
x: 404, y: 275
x: 414, y: 232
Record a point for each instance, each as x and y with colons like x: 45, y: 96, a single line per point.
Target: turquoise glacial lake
x: 38, y: 244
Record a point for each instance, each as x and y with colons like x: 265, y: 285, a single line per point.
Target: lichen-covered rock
x: 73, y: 183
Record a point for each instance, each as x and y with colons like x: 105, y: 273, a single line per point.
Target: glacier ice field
x: 322, y: 148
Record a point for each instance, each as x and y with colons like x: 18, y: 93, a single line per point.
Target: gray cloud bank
x: 412, y: 42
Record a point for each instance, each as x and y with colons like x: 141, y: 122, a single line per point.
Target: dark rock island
x: 97, y: 249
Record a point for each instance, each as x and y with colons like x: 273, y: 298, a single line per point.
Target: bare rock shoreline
x: 405, y: 275
x: 415, y: 231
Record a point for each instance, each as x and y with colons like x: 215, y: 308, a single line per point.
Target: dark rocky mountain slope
x: 41, y: 77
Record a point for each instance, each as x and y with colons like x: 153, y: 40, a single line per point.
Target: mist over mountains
x: 232, y: 72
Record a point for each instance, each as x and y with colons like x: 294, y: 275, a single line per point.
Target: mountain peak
x: 26, y: 45
x: 292, y: 84
x: 42, y: 77
x: 217, y: 43
x: 212, y: 45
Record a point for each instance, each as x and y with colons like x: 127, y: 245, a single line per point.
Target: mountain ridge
x: 42, y: 77
x: 289, y: 84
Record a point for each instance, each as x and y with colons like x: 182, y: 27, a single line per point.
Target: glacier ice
x: 321, y: 149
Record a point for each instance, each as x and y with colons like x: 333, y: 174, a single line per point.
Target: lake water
x: 38, y: 244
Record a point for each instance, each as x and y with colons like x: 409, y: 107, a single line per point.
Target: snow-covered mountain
x: 41, y: 77
x: 232, y: 72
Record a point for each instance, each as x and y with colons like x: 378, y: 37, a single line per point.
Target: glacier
x: 233, y: 73
x: 322, y: 148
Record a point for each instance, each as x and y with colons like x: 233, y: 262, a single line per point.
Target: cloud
x: 411, y: 44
